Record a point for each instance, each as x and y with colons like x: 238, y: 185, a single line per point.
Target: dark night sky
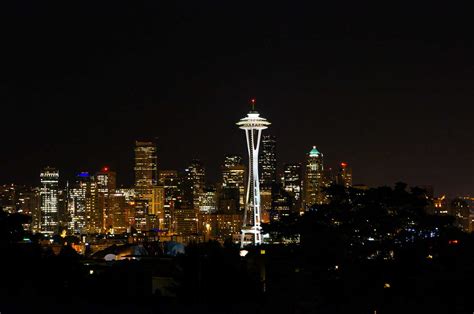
x: 389, y: 93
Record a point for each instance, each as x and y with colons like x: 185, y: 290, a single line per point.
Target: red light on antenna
x: 343, y: 164
x: 253, y: 100
x: 105, y: 169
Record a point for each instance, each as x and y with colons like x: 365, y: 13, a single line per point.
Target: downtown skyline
x: 232, y: 157
x: 392, y: 99
x: 178, y: 155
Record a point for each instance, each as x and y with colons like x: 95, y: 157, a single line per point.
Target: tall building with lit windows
x: 293, y: 184
x: 344, y: 175
x: 314, y: 179
x: 233, y: 182
x: 169, y: 180
x: 196, y: 176
x: 146, y: 173
x: 79, y: 191
x: 208, y: 203
x: 106, y: 185
x: 49, y: 200
x: 267, y: 162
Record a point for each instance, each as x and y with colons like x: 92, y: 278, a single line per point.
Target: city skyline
x: 126, y: 175
x: 231, y: 157
x: 391, y: 99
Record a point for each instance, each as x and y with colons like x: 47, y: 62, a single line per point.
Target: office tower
x: 140, y: 215
x: 123, y: 209
x: 314, y: 179
x: 233, y: 182
x: 268, y: 162
x: 293, y: 184
x: 156, y: 209
x: 106, y: 185
x: 30, y: 204
x: 146, y: 174
x: 209, y: 200
x: 120, y: 209
x: 8, y: 198
x: 79, y: 192
x: 282, y: 203
x: 49, y: 200
x: 106, y: 181
x: 186, y: 221
x: 94, y: 217
x: 344, y: 175
x: 266, y: 205
x: 63, y: 214
x: 253, y: 125
x: 196, y: 176
x: 168, y: 179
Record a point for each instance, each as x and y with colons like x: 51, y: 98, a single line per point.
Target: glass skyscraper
x: 49, y: 200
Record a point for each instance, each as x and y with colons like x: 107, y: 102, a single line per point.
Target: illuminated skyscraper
x: 314, y: 179
x: 233, y: 185
x: 293, y: 184
x: 146, y: 174
x: 253, y: 125
x: 84, y: 210
x: 30, y: 204
x: 208, y: 203
x: 268, y: 162
x: 77, y: 203
x: 344, y: 176
x: 106, y: 185
x: 49, y: 200
x: 169, y: 180
x: 196, y: 175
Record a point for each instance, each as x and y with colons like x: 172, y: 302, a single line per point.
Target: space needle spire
x: 253, y: 125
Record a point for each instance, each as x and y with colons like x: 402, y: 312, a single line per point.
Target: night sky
x: 388, y: 90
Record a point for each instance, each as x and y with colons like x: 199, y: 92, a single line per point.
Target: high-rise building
x: 30, y: 204
x: 84, y: 206
x: 120, y: 209
x: 208, y: 204
x: 8, y: 197
x: 282, y: 203
x: 253, y: 125
x: 268, y: 162
x: 146, y: 173
x: 49, y: 200
x: 233, y: 182
x: 344, y: 175
x: 196, y: 176
x: 169, y: 181
x: 156, y: 209
x: 314, y: 179
x: 293, y: 184
x: 140, y: 215
x: 124, y: 210
x: 106, y: 185
x: 77, y: 203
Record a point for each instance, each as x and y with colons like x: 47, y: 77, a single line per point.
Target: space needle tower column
x: 253, y: 125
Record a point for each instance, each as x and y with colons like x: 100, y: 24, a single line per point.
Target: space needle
x: 253, y: 125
